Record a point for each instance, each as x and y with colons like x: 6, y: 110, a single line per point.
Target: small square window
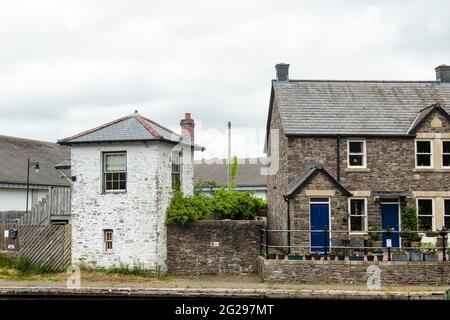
x: 108, y: 240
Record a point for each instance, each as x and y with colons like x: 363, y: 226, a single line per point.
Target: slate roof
x: 14, y: 153
x: 306, y: 174
x: 327, y: 107
x: 133, y: 127
x: 249, y: 172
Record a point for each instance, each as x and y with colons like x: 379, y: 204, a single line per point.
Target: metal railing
x: 338, y: 240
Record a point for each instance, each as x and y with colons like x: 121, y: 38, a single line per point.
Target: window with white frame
x: 358, y: 214
x: 424, y: 153
x: 447, y: 214
x: 425, y: 214
x: 176, y: 168
x: 108, y: 240
x: 446, y: 153
x: 114, y: 171
x: 356, y: 153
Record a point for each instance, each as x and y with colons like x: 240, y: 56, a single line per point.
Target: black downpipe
x: 288, y: 223
x: 338, y: 158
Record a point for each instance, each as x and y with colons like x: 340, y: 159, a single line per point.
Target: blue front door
x: 320, y: 220
x: 389, y: 219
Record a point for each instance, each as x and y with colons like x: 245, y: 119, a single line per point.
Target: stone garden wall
x: 213, y: 247
x: 354, y: 272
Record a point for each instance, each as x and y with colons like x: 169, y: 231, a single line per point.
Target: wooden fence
x: 6, y: 242
x: 55, y: 207
x: 46, y: 245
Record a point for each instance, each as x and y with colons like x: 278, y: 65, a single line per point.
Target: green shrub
x: 186, y: 209
x: 375, y: 236
x: 235, y: 205
x: 410, y: 221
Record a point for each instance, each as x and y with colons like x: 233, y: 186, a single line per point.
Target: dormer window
x: 356, y: 154
x: 424, y: 154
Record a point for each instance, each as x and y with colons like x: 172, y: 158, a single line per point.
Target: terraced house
x: 352, y: 154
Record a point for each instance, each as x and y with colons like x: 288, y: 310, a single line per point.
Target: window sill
x: 113, y: 192
x: 431, y: 170
x: 357, y: 170
x: 358, y: 233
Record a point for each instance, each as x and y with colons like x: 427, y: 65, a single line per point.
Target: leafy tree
x: 233, y: 172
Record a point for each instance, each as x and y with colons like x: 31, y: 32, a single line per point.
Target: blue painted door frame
x: 390, y: 219
x: 319, y: 220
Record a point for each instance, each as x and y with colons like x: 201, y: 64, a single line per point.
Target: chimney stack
x: 187, y: 127
x: 443, y: 73
x: 282, y: 71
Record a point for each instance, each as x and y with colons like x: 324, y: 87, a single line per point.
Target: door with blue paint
x: 390, y: 219
x: 320, y: 220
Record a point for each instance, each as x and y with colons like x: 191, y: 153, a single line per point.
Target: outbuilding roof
x: 330, y: 107
x: 249, y: 172
x: 14, y: 154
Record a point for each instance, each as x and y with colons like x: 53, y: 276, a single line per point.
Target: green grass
x: 24, y: 266
x: 136, y: 270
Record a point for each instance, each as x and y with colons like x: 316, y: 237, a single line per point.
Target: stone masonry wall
x: 277, y: 184
x: 354, y: 272
x: 136, y: 216
x: 390, y: 168
x: 300, y: 211
x: 213, y: 247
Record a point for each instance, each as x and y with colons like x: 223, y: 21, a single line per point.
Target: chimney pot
x: 443, y: 73
x: 282, y: 70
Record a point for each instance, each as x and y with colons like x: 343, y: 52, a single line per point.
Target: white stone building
x: 124, y: 173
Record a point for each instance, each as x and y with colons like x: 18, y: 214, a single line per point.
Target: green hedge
x: 224, y: 204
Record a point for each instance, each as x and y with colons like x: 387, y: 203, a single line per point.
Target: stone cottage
x: 352, y: 154
x: 123, y: 175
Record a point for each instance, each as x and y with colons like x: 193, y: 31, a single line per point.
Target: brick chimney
x: 443, y: 73
x: 282, y: 71
x: 187, y: 127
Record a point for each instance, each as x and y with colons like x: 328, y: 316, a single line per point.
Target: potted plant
x: 317, y: 256
x: 379, y: 254
x: 308, y: 256
x: 375, y: 236
x: 410, y: 224
x: 398, y: 255
x: 370, y: 257
x: 415, y: 255
x: 332, y: 255
x: 356, y: 258
x: 281, y: 256
x: 295, y: 257
x: 430, y: 254
x: 340, y: 254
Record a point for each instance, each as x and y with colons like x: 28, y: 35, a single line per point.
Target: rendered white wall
x: 136, y: 217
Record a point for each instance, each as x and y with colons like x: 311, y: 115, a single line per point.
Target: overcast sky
x: 67, y: 66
